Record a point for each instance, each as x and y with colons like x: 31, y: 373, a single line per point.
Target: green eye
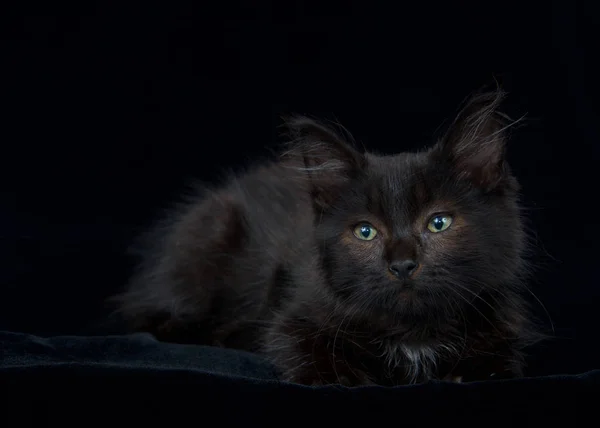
x: 365, y: 232
x: 439, y: 223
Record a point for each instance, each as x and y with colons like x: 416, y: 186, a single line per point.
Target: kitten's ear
x: 325, y: 156
x: 475, y: 143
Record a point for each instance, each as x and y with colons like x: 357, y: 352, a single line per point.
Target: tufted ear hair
x: 475, y: 144
x: 329, y: 160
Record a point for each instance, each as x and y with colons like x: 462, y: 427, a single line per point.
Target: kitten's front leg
x: 303, y: 354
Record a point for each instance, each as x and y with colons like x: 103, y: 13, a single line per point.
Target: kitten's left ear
x: 476, y: 142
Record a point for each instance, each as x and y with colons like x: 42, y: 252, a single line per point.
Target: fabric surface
x: 75, y: 378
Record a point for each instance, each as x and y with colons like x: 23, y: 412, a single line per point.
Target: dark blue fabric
x: 135, y: 377
x: 137, y: 352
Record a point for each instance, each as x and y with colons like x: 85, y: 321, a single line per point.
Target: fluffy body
x: 270, y: 262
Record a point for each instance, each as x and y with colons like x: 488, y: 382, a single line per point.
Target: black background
x: 108, y: 108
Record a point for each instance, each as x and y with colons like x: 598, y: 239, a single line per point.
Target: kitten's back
x: 211, y: 268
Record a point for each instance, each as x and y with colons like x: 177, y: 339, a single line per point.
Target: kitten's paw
x: 345, y: 381
x: 355, y: 378
x: 453, y: 379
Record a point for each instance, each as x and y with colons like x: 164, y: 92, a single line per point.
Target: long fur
x: 269, y: 260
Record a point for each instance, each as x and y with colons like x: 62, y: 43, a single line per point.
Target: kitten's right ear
x: 327, y: 159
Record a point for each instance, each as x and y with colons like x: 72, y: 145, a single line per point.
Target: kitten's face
x: 417, y: 233
x: 409, y: 237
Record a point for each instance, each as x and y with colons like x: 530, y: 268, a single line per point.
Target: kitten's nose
x: 403, y: 268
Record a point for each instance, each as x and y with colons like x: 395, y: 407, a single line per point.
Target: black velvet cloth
x: 141, y: 379
x: 110, y: 108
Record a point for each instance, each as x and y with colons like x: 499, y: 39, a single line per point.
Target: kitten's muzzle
x: 403, y: 269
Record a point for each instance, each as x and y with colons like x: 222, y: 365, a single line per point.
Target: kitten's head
x: 417, y: 234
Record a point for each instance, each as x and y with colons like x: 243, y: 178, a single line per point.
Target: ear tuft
x: 327, y: 158
x: 475, y: 143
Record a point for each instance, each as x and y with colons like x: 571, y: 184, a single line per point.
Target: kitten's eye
x: 439, y: 223
x: 365, y: 231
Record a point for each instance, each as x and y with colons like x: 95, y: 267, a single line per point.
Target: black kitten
x: 349, y: 267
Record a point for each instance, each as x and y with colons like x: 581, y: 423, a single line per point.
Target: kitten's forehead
x: 397, y: 174
x: 397, y: 184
